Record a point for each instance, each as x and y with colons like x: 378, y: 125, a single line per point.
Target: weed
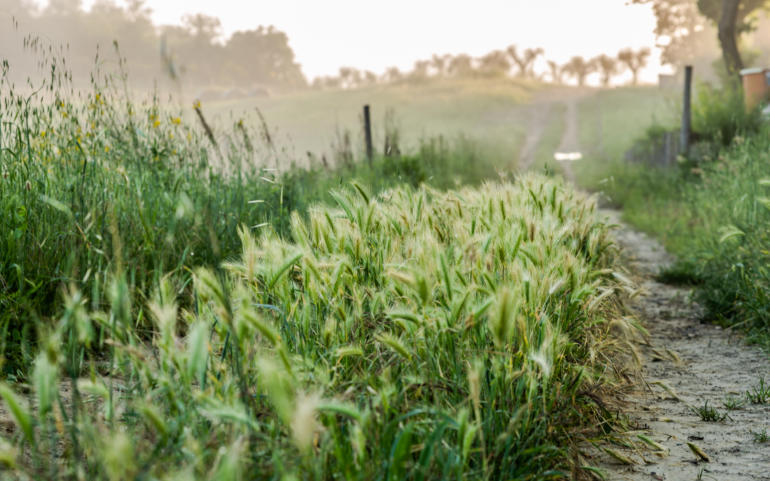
x: 709, y: 414
x: 761, y: 437
x: 759, y: 394
x: 732, y: 403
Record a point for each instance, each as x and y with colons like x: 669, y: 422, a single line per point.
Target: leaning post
x: 686, y: 134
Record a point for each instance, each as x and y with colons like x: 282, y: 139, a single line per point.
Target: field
x: 490, y: 112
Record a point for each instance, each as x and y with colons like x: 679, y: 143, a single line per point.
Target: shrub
x: 719, y: 115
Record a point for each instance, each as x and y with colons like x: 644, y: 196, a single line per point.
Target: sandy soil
x: 686, y: 364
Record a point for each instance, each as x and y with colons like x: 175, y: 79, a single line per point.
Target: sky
x: 374, y: 35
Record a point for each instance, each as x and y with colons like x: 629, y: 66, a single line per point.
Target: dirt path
x: 540, y: 114
x: 687, y: 364
x: 570, y: 142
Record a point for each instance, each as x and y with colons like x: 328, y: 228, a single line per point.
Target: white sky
x: 376, y: 34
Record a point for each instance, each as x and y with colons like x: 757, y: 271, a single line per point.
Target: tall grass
x: 92, y: 178
x: 716, y: 218
x: 412, y: 334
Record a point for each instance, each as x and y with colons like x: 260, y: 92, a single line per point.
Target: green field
x: 488, y: 112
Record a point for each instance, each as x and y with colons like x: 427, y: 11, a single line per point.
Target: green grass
x: 610, y: 122
x: 94, y: 180
x: 410, y: 335
x: 715, y: 218
x: 709, y: 414
x: 179, y: 304
x: 490, y: 112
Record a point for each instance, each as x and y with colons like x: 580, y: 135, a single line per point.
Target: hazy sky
x: 369, y: 34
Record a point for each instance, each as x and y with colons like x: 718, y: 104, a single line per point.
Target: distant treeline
x: 510, y: 62
x: 196, y: 56
x: 193, y: 53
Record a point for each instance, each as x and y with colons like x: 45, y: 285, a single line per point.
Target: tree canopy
x: 195, y: 52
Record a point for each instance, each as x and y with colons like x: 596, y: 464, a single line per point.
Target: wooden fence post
x: 368, y: 133
x: 684, y: 143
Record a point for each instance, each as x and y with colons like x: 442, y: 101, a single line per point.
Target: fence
x: 661, y: 150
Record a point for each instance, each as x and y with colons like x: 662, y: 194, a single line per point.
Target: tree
x: 203, y: 26
x: 420, y: 70
x: 526, y: 61
x: 608, y: 67
x: 494, y: 64
x: 634, y: 61
x: 460, y: 66
x: 370, y: 78
x: 555, y: 71
x: 392, y: 74
x: 440, y: 63
x: 686, y: 28
x: 261, y: 56
x: 579, y: 68
x: 732, y: 18
x: 683, y: 33
x: 350, y: 77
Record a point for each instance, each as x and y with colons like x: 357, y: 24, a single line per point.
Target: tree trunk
x: 728, y: 37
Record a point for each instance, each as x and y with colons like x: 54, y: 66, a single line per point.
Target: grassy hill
x: 486, y: 110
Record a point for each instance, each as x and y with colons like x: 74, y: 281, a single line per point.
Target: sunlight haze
x: 375, y: 35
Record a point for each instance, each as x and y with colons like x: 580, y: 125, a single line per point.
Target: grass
x: 732, y: 403
x: 709, y: 414
x: 711, y: 211
x: 715, y: 218
x: 759, y: 394
x: 414, y: 334
x: 760, y: 437
x: 610, y: 122
x: 92, y: 178
x: 179, y: 301
x: 491, y: 112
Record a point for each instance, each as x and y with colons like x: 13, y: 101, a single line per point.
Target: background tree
x: 555, y: 71
x: 392, y: 74
x: 494, y: 64
x: 420, y: 70
x: 579, y: 68
x: 689, y: 30
x: 461, y: 66
x: 524, y: 61
x: 634, y: 61
x: 684, y: 34
x: 194, y: 53
x: 261, y: 56
x: 440, y: 64
x: 607, y: 66
x: 733, y: 18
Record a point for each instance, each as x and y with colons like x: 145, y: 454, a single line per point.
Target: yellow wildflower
x: 176, y: 120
